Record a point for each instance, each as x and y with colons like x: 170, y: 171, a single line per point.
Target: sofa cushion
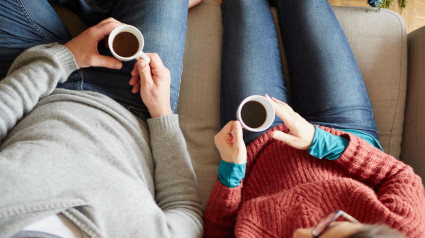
x: 199, y: 102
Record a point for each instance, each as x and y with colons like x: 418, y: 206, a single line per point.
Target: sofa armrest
x: 413, y: 146
x: 379, y: 43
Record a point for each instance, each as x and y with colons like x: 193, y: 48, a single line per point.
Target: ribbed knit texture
x: 27, y: 82
x: 81, y: 154
x: 285, y: 189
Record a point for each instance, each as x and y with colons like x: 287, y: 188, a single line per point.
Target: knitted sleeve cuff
x: 62, y: 54
x: 163, y: 124
x: 65, y: 57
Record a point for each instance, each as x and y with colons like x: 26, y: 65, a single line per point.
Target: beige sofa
x: 382, y: 50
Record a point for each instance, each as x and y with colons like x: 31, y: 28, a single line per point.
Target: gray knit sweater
x: 84, y: 155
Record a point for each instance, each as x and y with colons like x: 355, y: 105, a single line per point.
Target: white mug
x: 135, y: 32
x: 259, y: 123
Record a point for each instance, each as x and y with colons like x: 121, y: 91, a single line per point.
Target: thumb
x: 106, y: 61
x: 144, y: 72
x: 237, y: 132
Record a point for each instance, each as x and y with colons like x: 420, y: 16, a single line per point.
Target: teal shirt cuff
x: 231, y: 174
x: 329, y: 146
x: 368, y: 138
x: 326, y: 145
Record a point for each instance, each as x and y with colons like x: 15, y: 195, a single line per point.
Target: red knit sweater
x: 285, y: 189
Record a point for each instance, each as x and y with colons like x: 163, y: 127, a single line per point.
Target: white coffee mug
x: 268, y: 111
x: 135, y: 32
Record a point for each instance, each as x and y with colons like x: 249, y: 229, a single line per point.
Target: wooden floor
x: 414, y: 14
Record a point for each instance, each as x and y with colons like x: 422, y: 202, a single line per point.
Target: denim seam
x: 81, y: 82
x: 178, y: 91
x: 81, y: 86
x: 31, y: 20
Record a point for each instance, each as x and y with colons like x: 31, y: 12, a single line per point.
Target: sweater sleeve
x: 221, y: 211
x: 175, y: 181
x: 398, y: 188
x: 32, y: 76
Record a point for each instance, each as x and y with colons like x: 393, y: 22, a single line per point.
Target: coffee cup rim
x: 270, y: 112
x: 131, y: 29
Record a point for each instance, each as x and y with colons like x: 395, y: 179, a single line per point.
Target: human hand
x: 301, y: 132
x: 84, y: 46
x: 230, y: 144
x: 153, y: 81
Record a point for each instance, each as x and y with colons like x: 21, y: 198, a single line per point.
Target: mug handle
x: 144, y: 56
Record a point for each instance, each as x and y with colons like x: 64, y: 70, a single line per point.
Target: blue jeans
x: 326, y: 86
x: 27, y: 23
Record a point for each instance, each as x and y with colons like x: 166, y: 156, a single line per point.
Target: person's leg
x: 251, y: 58
x: 326, y: 84
x: 24, y: 24
x: 163, y: 24
x: 90, y: 12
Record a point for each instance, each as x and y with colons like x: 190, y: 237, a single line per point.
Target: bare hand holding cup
x: 153, y: 81
x: 230, y: 144
x: 84, y: 46
x: 301, y: 132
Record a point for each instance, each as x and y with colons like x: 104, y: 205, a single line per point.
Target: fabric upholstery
x: 199, y: 103
x: 413, y: 149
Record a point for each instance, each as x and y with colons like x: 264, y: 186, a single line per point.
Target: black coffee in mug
x: 125, y: 44
x: 253, y: 114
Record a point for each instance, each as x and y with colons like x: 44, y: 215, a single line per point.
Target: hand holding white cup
x: 126, y: 43
x: 255, y: 113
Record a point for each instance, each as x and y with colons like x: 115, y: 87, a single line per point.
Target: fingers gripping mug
x: 256, y: 113
x: 126, y: 43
